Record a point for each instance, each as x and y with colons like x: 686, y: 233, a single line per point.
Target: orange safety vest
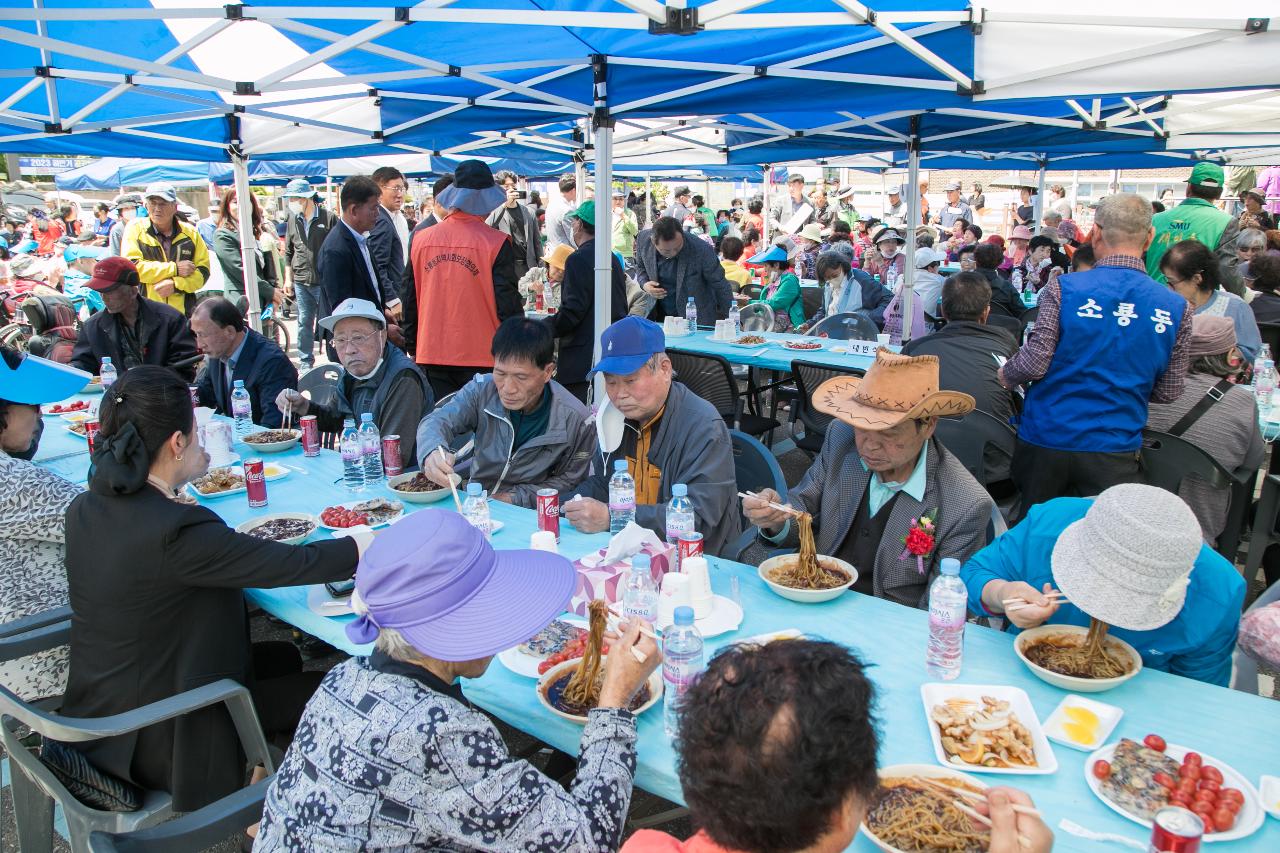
x: 457, y: 311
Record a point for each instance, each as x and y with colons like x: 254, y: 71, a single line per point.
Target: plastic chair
x: 753, y: 291
x: 1244, y: 675
x: 808, y: 377
x: 711, y: 378
x: 754, y: 468
x: 755, y: 317
x: 34, y: 787
x: 1167, y: 460
x: 849, y: 326
x: 1264, y: 525
x: 810, y: 301
x: 198, y: 830
x: 322, y: 382
x: 969, y: 438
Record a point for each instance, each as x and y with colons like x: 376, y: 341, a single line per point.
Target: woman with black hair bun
x: 156, y: 587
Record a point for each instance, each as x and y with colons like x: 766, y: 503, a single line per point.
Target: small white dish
x: 1269, y: 790
x: 725, y: 616
x: 937, y: 693
x: 1108, y: 717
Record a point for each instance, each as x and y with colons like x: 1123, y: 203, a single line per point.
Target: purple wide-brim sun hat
x: 435, y: 578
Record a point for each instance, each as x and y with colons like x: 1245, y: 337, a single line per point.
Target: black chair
x: 197, y: 830
x: 850, y: 326
x: 980, y: 441
x: 808, y: 377
x: 753, y: 291
x: 754, y: 468
x: 1264, y: 532
x: 711, y: 378
x: 1029, y: 316
x: 1167, y: 460
x: 322, y: 382
x: 811, y: 301
x: 934, y: 323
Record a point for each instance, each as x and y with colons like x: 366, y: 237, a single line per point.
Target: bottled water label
x: 622, y: 501
x: 641, y: 606
x: 678, y: 526
x: 678, y: 675
x: 946, y: 616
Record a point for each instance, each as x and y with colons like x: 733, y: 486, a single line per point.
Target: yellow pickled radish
x: 1081, y: 715
x: 1081, y: 725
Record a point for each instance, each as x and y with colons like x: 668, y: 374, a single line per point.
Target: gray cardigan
x: 834, y: 485
x: 558, y: 459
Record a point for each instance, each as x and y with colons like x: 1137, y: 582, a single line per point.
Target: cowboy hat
x: 895, y: 388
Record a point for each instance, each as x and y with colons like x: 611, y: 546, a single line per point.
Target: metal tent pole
x: 602, y: 123
x: 913, y: 215
x: 764, y: 236
x: 248, y: 240
x: 648, y: 200
x: 1038, y: 216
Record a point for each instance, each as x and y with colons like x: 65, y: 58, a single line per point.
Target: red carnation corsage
x: 921, y: 539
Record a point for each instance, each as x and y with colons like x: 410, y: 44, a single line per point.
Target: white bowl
x: 927, y: 771
x: 420, y: 497
x: 1071, y: 682
x: 550, y: 676
x: 274, y: 446
x: 806, y: 596
x: 246, y: 526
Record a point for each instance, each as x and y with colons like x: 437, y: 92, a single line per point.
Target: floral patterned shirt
x: 388, y: 757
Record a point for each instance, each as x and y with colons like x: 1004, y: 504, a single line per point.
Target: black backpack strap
x: 1213, y: 395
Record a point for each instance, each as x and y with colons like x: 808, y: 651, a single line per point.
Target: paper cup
x: 543, y: 540
x: 695, y: 568
x: 882, y: 340
x: 675, y: 593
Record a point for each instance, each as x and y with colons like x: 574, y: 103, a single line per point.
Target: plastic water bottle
x: 948, y: 600
x: 352, y: 458
x: 622, y: 497
x: 475, y: 508
x: 640, y: 595
x: 548, y: 297
x: 1264, y: 384
x: 681, y: 665
x: 370, y: 449
x: 107, y: 373
x: 735, y: 317
x: 691, y: 314
x: 680, y: 517
x: 241, y: 408
x: 1017, y: 280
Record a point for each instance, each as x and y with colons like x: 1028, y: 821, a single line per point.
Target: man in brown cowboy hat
x: 880, y: 476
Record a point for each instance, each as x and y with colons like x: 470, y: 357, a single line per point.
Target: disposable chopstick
x: 983, y: 819
x: 973, y: 795
x: 789, y: 510
x: 1014, y: 608
x: 453, y: 487
x: 1020, y: 600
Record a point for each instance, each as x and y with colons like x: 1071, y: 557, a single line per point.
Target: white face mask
x: 296, y: 208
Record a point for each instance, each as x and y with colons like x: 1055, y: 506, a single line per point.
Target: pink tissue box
x: 606, y: 581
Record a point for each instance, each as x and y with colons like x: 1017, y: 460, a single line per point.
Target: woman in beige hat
x: 535, y: 280
x: 1131, y: 557
x: 880, y: 476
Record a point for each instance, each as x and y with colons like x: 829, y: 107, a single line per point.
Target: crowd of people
x: 1148, y: 320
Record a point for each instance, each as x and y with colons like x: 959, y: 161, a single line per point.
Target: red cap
x: 109, y: 272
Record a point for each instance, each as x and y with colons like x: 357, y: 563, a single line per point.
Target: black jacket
x: 168, y: 340
x: 387, y: 253
x: 301, y: 249
x: 342, y: 272
x: 158, y: 609
x: 966, y: 354
x: 1003, y: 296
x: 574, y: 322
x: 698, y: 274
x: 266, y: 371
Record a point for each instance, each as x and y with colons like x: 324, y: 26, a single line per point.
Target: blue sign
x: 52, y: 165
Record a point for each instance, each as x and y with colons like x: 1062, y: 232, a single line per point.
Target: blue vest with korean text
x: 1117, y: 330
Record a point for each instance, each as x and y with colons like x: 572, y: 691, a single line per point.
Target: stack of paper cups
x: 675, y: 593
x: 700, y: 595
x: 543, y: 540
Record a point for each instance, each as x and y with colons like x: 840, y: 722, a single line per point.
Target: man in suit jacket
x: 673, y: 265
x: 574, y: 323
x: 880, y: 476
x: 233, y: 352
x: 389, y: 237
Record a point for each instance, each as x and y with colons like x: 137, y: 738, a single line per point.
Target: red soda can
x: 539, y: 303
x: 391, y: 455
x: 549, y: 511
x: 195, y: 396
x: 689, y: 545
x: 255, y: 482
x: 91, y: 427
x: 1175, y: 830
x: 310, y: 435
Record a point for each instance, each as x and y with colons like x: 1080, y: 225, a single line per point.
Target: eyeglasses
x: 354, y: 341
x: 397, y: 188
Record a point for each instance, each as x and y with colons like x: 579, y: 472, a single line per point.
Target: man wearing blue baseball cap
x: 669, y: 436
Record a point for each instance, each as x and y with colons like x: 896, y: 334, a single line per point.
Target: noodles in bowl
x: 808, y: 570
x: 1075, y: 658
x: 909, y: 815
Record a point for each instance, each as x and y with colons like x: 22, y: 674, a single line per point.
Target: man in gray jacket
x: 673, y: 265
x: 530, y: 433
x: 668, y: 435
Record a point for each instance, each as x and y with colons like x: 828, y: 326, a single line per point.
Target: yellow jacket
x: 736, y: 273
x: 142, y: 246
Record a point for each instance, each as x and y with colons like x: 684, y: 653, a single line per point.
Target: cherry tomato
x: 1189, y: 772
x: 1102, y: 769
x: 1211, y: 773
x: 1206, y: 814
x: 1223, y: 819
x: 1178, y: 798
x: 1208, y: 785
x: 1192, y: 758
x: 1187, y: 786
x: 1155, y: 742
x: 1165, y: 781
x: 1209, y: 798
x: 1231, y: 794
x: 1230, y: 805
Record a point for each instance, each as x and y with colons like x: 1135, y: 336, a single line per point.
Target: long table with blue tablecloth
x: 771, y: 355
x: 1233, y: 727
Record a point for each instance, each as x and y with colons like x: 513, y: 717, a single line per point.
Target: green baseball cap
x: 585, y: 211
x: 1206, y: 175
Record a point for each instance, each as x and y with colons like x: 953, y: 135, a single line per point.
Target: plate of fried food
x: 78, y: 428
x: 986, y: 729
x: 273, y: 440
x: 229, y: 480
x: 417, y: 488
x: 802, y: 346
x: 750, y: 341
x: 919, y: 808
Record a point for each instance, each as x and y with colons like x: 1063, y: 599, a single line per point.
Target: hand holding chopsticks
x: 615, y: 611
x: 789, y: 510
x: 1005, y: 815
x: 1012, y: 605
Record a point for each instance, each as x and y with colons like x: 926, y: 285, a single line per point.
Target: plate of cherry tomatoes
x: 1225, y: 800
x: 67, y: 408
x: 374, y: 513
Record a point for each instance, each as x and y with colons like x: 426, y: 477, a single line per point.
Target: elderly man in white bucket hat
x: 1131, y: 557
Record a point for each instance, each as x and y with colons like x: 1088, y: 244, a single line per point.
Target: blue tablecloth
x: 1233, y: 727
x: 771, y: 355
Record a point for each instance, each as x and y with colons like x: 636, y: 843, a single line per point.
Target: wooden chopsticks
x: 789, y: 510
x: 974, y: 813
x: 1012, y: 605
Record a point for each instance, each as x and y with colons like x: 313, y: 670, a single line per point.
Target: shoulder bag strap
x: 1212, y: 396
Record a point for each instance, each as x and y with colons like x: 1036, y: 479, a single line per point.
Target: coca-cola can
x: 310, y: 435
x: 549, y: 511
x: 255, y: 482
x: 689, y: 545
x: 195, y: 396
x: 391, y: 455
x: 539, y: 303
x: 1175, y: 830
x: 91, y: 427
